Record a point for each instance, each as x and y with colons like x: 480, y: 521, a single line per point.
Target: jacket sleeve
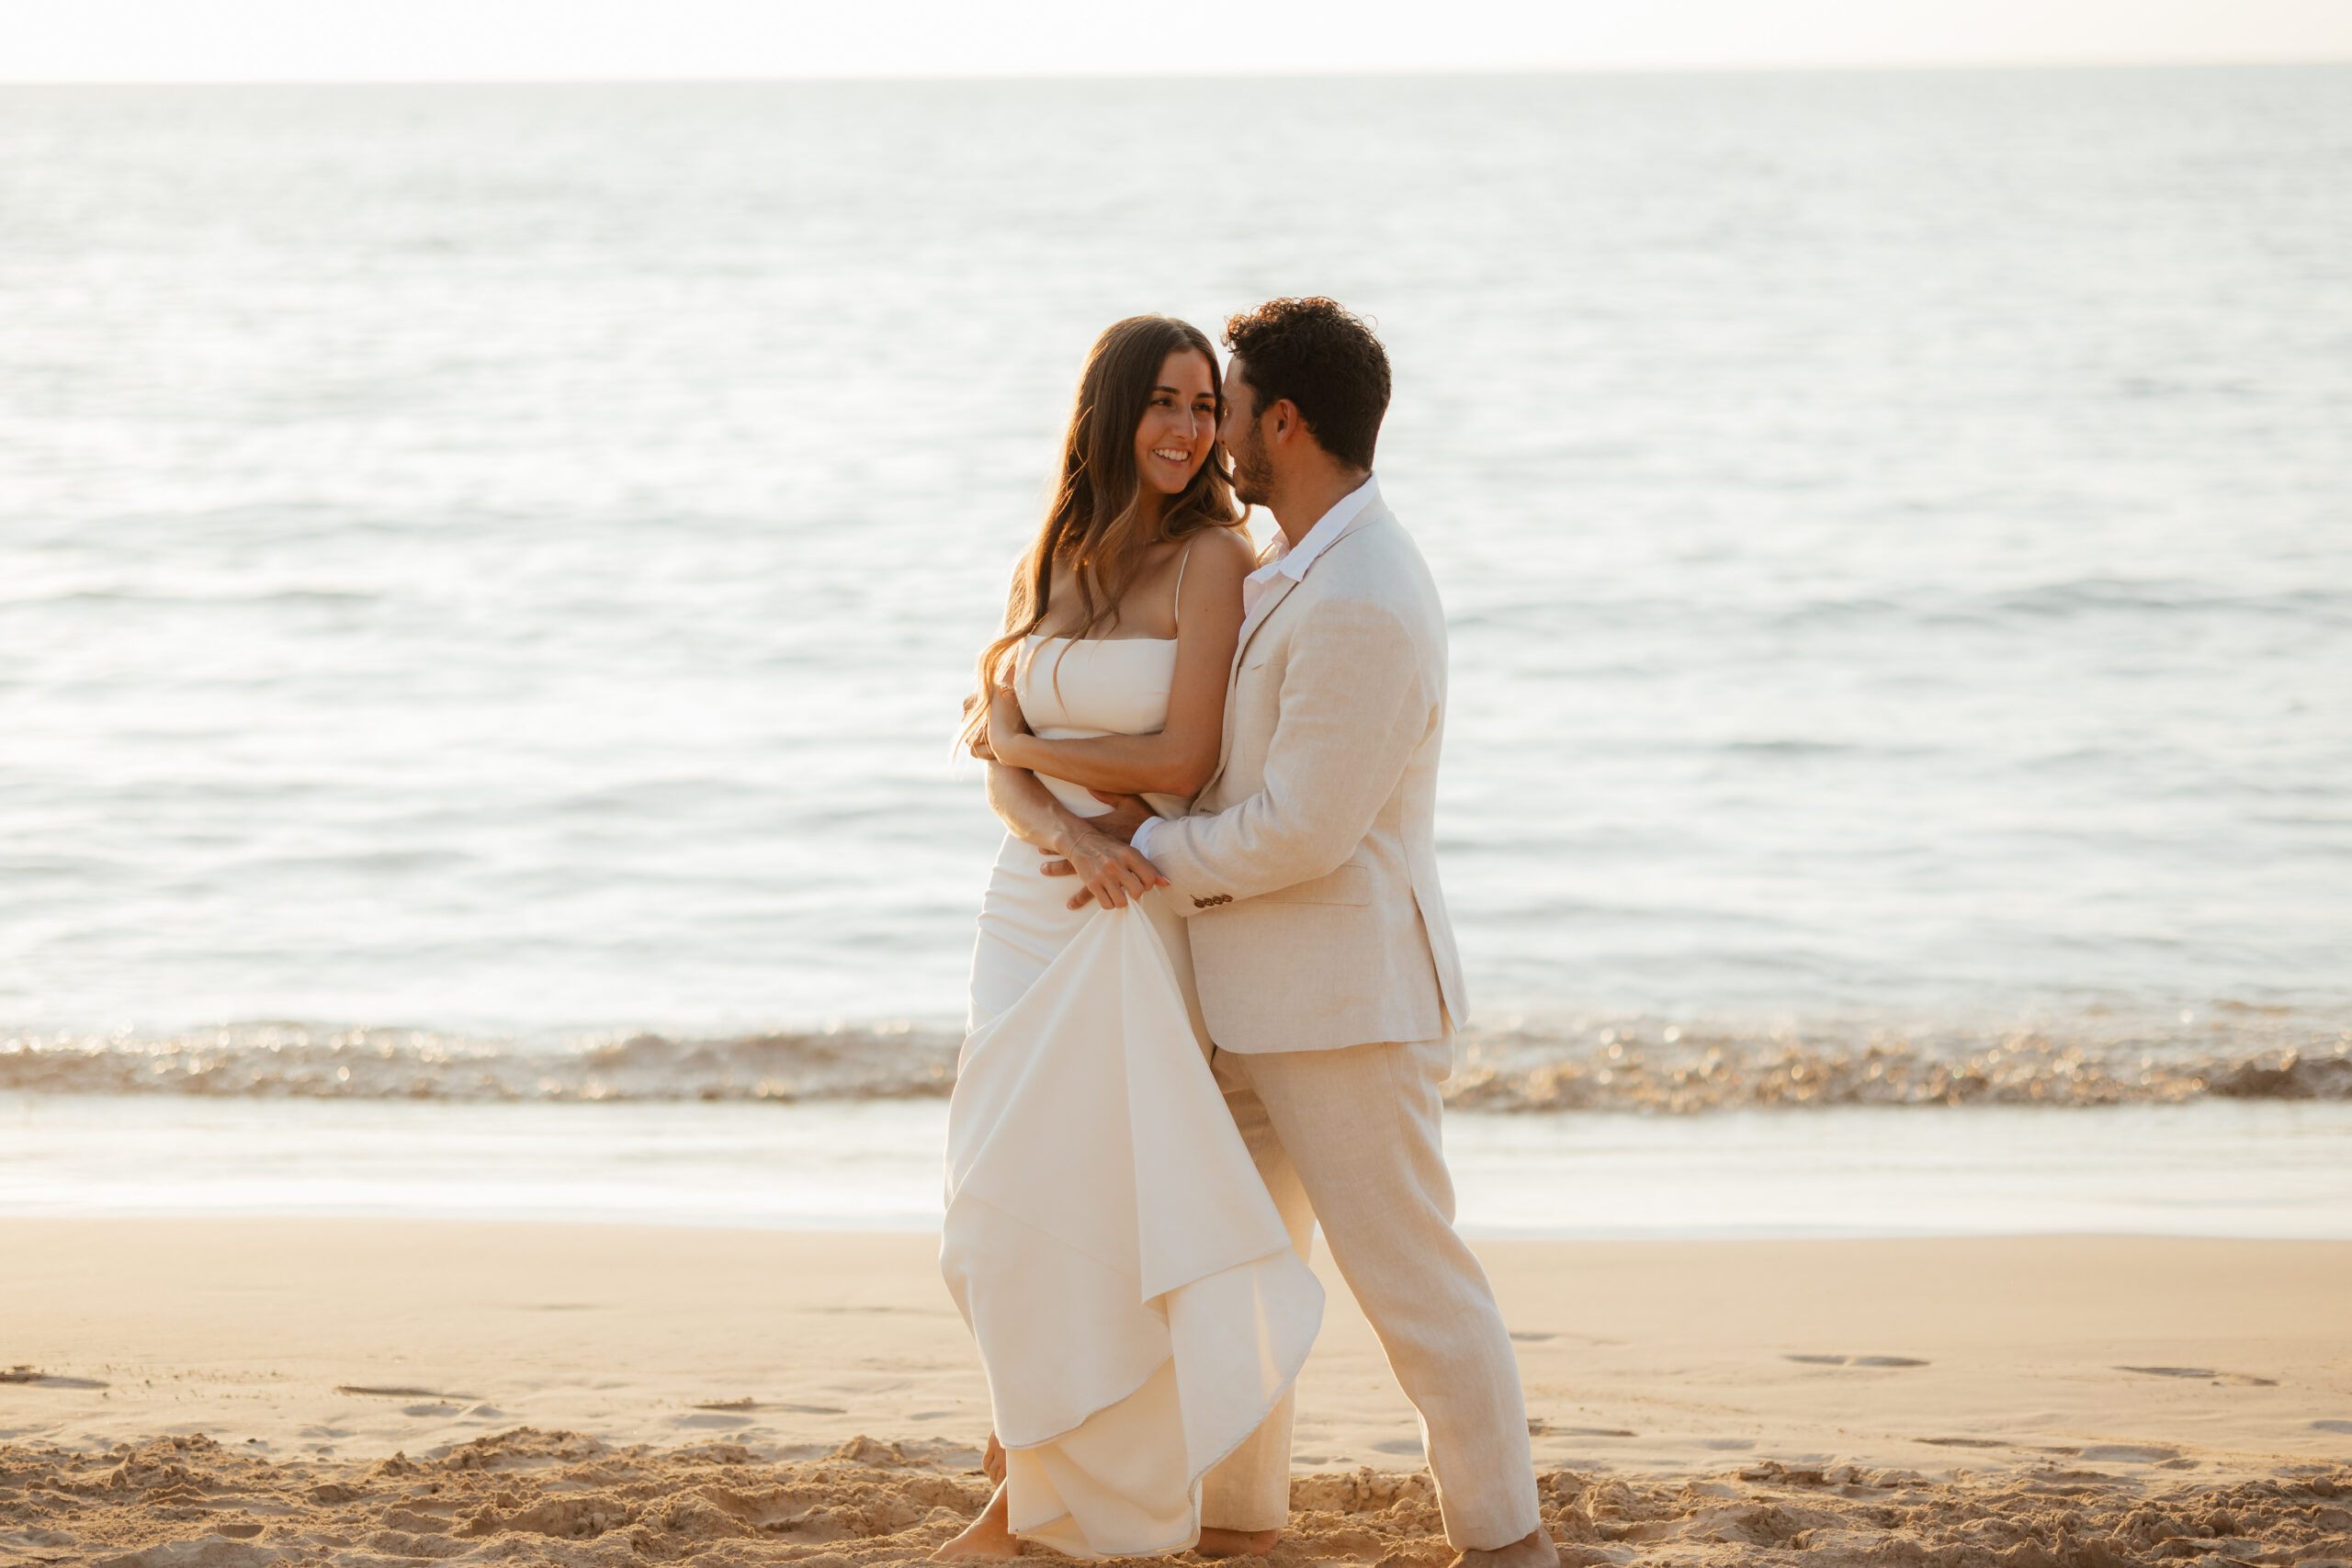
x: 1353, y: 706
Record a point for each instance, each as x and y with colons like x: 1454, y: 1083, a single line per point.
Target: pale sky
x: 600, y: 40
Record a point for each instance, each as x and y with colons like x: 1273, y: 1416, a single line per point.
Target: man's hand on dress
x: 1112, y: 871
x: 1127, y: 812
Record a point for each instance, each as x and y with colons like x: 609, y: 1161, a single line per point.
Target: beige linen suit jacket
x: 1307, y: 865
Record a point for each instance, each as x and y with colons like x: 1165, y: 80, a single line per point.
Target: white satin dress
x: 1137, y: 1303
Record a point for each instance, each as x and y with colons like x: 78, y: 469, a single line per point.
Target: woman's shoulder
x: 1223, y: 550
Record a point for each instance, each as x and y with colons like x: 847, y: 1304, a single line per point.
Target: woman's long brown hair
x: 1093, y: 527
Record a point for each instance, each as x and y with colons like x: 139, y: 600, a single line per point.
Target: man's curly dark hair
x: 1326, y: 361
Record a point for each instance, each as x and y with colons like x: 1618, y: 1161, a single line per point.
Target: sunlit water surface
x: 504, y: 560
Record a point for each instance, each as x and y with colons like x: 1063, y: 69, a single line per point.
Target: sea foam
x: 1614, y: 1065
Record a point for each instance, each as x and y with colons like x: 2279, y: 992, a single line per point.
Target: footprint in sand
x: 373, y: 1393
x: 2129, y: 1453
x: 1543, y: 1335
x: 444, y: 1408
x: 39, y: 1379
x: 1539, y: 1428
x: 1857, y: 1360
x: 1399, y: 1446
x: 1976, y: 1443
x: 2206, y: 1374
x: 2331, y: 1426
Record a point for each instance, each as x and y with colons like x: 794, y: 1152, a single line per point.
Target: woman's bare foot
x: 988, y: 1539
x: 1534, y: 1550
x: 1216, y: 1542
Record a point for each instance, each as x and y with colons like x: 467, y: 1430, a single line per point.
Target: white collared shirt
x: 1292, y: 560
x: 1286, y: 559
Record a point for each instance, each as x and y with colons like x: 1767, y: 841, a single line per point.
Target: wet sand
x: 239, y: 1388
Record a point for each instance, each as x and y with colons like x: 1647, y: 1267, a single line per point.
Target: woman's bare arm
x: 1179, y: 758
x: 1112, y: 871
x: 1028, y: 808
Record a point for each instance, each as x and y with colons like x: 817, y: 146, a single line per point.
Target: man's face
x: 1253, y: 472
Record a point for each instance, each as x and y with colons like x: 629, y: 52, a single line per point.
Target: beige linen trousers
x: 1329, y: 982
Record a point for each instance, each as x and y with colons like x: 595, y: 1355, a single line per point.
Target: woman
x: 1135, y: 1299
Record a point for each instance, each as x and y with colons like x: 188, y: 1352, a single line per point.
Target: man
x: 1326, y: 965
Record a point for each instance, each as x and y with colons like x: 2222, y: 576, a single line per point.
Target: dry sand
x: 226, y: 1393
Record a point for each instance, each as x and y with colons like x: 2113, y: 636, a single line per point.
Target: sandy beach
x: 235, y: 1391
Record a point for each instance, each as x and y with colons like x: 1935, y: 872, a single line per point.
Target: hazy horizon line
x: 1286, y: 72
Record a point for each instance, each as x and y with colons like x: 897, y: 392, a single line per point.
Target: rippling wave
x: 296, y: 1061
x: 1650, y: 1066
x: 1622, y: 1065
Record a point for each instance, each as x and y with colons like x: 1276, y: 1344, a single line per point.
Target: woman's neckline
x: 1041, y: 637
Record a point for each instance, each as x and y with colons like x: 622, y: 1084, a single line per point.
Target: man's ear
x: 1286, y: 419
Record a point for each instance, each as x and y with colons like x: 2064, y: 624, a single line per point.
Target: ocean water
x: 487, y: 574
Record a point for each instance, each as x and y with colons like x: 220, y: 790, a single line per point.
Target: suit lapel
x: 1276, y: 592
x: 1279, y: 588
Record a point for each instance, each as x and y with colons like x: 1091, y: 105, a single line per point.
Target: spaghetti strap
x: 1176, y: 610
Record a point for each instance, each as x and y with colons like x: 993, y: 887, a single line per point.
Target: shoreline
x: 2259, y: 1168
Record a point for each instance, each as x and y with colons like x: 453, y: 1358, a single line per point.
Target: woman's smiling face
x: 1179, y: 425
